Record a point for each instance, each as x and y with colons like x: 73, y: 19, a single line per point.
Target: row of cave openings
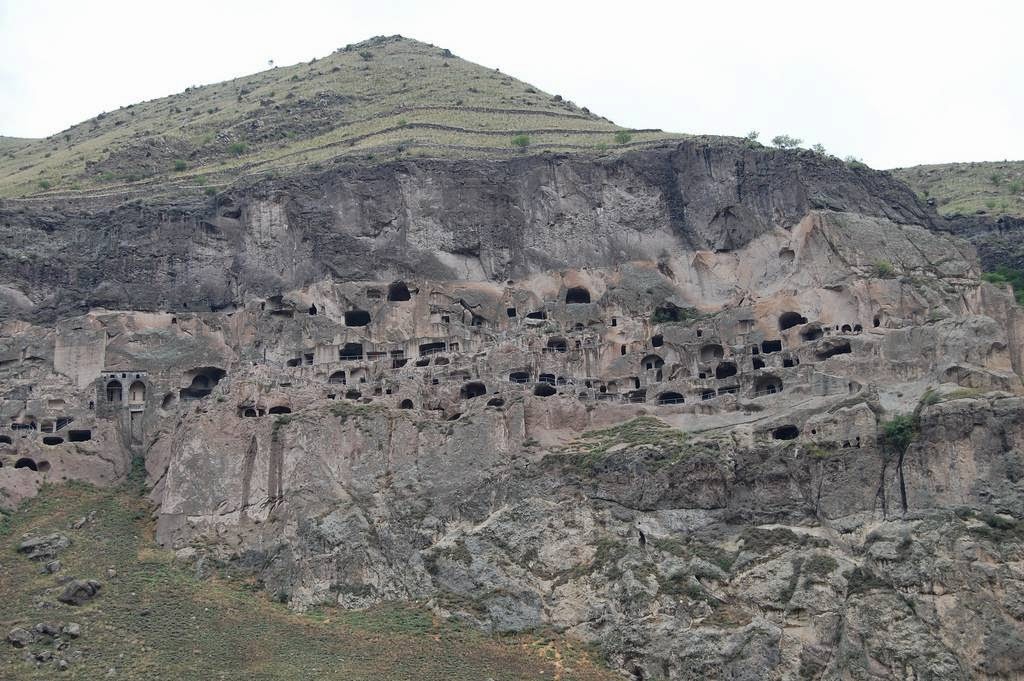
x: 201, y: 384
x: 399, y: 292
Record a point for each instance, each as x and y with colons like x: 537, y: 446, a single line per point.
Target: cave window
x: 758, y: 363
x: 357, y: 318
x: 622, y: 350
x: 52, y: 440
x: 445, y: 319
x: 519, y: 377
x: 789, y: 362
x: 636, y: 382
x: 474, y: 389
x: 294, y: 362
x: 636, y: 397
x: 857, y: 328
x: 787, y: 320
x: 767, y: 385
x: 337, y: 377
x: 700, y: 332
x: 788, y: 432
x: 423, y: 362
x: 812, y: 333
x: 547, y: 378
x: 249, y: 413
x: 137, y: 392
x: 26, y: 462
x: 398, y: 362
x: 725, y: 370
x: 279, y: 410
x: 352, y: 394
x: 79, y: 435
x: 495, y: 402
x: 398, y: 292
x: 432, y: 348
x: 652, y: 362
x: 729, y: 390
x: 544, y: 390
x: 114, y: 391
x: 615, y: 321
x: 312, y: 310
x: 577, y: 295
x: 307, y: 358
x: 350, y: 351
x: 711, y: 352
x: 876, y: 322
x: 510, y: 311
x: 5, y: 439
x: 405, y: 404
x: 556, y: 344
x: 770, y: 346
x: 847, y: 328
x: 657, y: 341
x: 476, y: 321
x: 837, y: 349
x: 707, y: 394
x: 373, y: 293
x: 537, y: 314
x: 670, y: 397
x: 202, y: 383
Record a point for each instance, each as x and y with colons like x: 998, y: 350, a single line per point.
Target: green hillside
x: 995, y: 188
x: 383, y: 98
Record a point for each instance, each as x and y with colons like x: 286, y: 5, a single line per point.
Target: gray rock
x: 78, y: 591
x: 19, y: 638
x: 45, y: 546
x: 72, y: 629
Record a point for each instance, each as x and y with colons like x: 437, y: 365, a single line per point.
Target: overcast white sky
x: 895, y: 83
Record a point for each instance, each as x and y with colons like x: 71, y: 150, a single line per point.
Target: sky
x: 893, y: 83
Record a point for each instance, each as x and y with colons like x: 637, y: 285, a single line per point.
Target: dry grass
x: 156, y: 620
x: 385, y: 98
x: 995, y: 188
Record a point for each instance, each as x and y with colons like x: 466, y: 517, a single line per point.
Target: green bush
x: 819, y: 149
x: 996, y: 179
x: 621, y: 137
x: 786, y: 142
x: 1016, y: 187
x: 44, y: 184
x: 521, y: 141
x: 180, y: 165
x: 1007, y: 275
x: 884, y: 269
x: 899, y: 432
x: 237, y: 148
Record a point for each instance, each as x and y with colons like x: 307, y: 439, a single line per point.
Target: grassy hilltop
x: 995, y: 188
x: 383, y: 98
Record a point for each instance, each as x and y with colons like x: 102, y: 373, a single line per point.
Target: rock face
x: 723, y: 412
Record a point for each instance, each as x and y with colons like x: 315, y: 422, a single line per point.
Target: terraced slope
x: 992, y: 189
x: 383, y: 98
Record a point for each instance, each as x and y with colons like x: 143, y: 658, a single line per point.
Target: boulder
x: 19, y: 638
x: 72, y: 630
x: 79, y: 591
x: 46, y: 546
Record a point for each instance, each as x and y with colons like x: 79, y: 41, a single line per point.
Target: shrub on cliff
x: 521, y: 141
x: 786, y: 142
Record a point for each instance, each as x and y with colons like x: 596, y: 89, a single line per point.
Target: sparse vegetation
x: 156, y: 619
x: 1007, y: 275
x: 521, y: 141
x: 237, y: 148
x: 883, y: 269
x: 180, y: 165
x: 966, y: 188
x: 622, y: 137
x: 786, y: 142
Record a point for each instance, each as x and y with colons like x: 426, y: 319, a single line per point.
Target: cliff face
x: 447, y: 220
x: 724, y: 412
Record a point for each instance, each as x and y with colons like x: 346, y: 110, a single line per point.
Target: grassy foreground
x: 995, y: 188
x: 157, y: 620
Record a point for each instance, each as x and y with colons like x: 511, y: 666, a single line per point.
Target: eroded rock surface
x: 648, y: 401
